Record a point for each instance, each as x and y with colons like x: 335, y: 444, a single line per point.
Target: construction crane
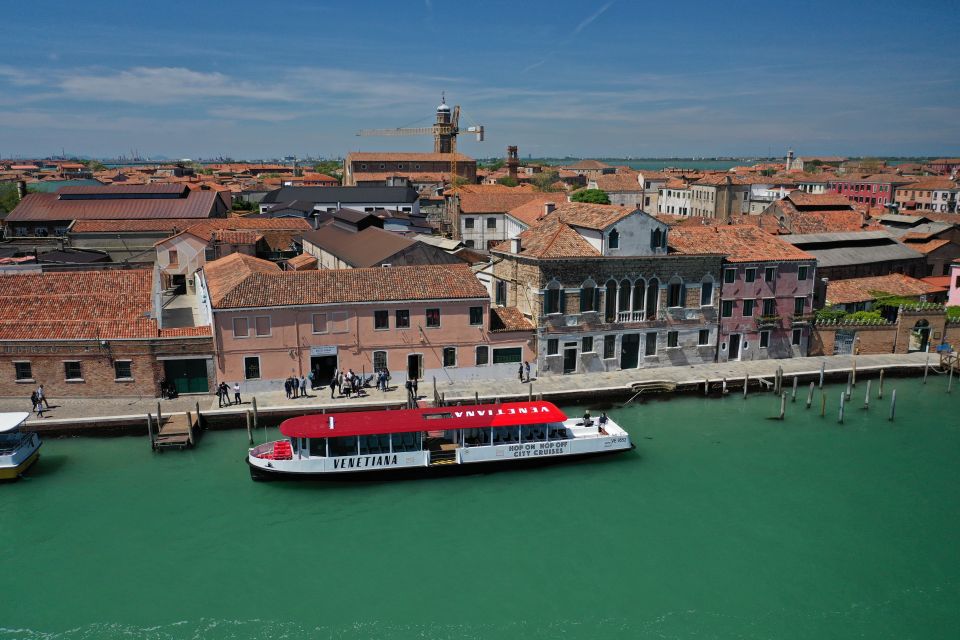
x: 444, y: 132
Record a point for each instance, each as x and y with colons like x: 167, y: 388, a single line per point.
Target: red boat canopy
x: 365, y: 423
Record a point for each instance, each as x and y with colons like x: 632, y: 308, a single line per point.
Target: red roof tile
x: 864, y: 289
x: 741, y: 243
x: 239, y: 281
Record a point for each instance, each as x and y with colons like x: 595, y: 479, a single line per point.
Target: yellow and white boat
x: 18, y: 449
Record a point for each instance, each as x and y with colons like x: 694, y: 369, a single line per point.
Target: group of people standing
x: 223, y: 394
x: 38, y: 400
x: 345, y: 383
x: 296, y: 388
x: 525, y: 371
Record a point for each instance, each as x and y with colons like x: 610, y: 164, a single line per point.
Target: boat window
x: 533, y: 432
x: 343, y: 446
x: 477, y: 437
x: 437, y: 416
x: 505, y: 435
x: 403, y: 442
x: 318, y: 447
x: 9, y: 440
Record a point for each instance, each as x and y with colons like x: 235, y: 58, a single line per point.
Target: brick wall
x: 96, y: 364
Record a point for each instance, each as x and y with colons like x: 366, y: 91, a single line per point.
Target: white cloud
x: 588, y: 20
x: 163, y: 85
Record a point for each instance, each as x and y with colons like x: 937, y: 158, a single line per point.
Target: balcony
x: 630, y: 316
x: 768, y: 321
x: 803, y: 319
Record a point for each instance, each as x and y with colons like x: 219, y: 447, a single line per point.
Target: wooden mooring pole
x: 893, y: 405
x: 866, y: 396
x: 746, y: 384
x: 476, y: 397
x: 723, y: 387
x: 823, y: 404
x: 849, y: 384
x: 926, y: 368
x: 810, y: 395
x: 950, y: 379
x: 706, y: 386
x: 256, y: 414
x: 783, y: 405
x: 150, y: 429
x: 249, y: 426
x: 842, y: 401
x: 793, y: 396
x: 853, y: 371
x: 159, y: 418
x: 880, y: 386
x: 823, y: 368
x: 530, y: 393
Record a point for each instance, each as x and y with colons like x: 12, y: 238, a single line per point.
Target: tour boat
x: 18, y: 449
x: 430, y: 441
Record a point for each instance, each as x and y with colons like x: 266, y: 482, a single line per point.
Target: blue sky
x: 274, y: 78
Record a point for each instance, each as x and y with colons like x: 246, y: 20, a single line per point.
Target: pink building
x: 877, y: 190
x: 420, y: 321
x: 766, y: 290
x: 953, y: 298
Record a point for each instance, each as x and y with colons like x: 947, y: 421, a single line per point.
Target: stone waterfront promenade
x: 94, y: 413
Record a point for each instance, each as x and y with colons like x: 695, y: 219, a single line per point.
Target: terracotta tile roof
x: 131, y: 226
x: 531, y: 211
x: 588, y: 165
x: 928, y: 246
x: 592, y: 216
x: 82, y: 305
x: 931, y: 184
x: 508, y: 319
x: 385, y: 156
x: 551, y: 238
x: 50, y: 206
x: 741, y: 243
x: 865, y: 289
x: 238, y: 236
x: 618, y: 182
x: 717, y: 179
x: 302, y: 262
x: 494, y: 198
x: 278, y: 232
x: 250, y: 282
x: 803, y: 199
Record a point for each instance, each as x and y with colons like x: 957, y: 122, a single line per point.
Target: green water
x: 722, y: 524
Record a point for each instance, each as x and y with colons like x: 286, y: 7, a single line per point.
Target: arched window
x: 624, y: 298
x: 589, y: 296
x: 653, y: 298
x: 553, y: 298
x: 613, y: 239
x: 636, y: 308
x: 675, y: 292
x: 610, y: 303
x: 706, y: 291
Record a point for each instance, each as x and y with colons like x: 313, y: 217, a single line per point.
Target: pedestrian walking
x: 521, y: 373
x: 526, y: 366
x: 42, y: 397
x: 236, y: 393
x: 33, y: 400
x: 225, y: 390
x: 313, y: 382
x: 386, y: 379
x: 286, y: 387
x: 303, y: 386
x: 415, y: 394
x: 219, y: 395
x: 333, y: 384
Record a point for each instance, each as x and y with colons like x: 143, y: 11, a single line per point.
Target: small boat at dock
x: 431, y: 441
x: 18, y: 449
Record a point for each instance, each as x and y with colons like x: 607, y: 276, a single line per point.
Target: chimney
x: 549, y: 207
x: 515, y: 245
x: 21, y: 189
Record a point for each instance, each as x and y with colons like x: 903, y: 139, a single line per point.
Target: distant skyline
x: 617, y: 78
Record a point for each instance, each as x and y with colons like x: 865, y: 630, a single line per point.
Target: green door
x: 189, y: 376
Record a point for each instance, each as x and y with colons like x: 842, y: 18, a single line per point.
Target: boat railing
x: 9, y: 445
x: 262, y: 450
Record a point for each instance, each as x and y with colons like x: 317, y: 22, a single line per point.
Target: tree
x: 330, y: 167
x: 544, y: 180
x: 94, y: 165
x: 493, y: 165
x: 593, y: 196
x: 508, y: 181
x: 8, y: 196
